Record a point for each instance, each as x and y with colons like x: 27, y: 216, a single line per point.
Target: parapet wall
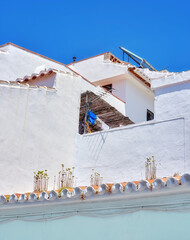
x: 38, y: 127
x: 119, y: 154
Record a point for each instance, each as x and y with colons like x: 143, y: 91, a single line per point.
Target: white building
x: 134, y: 89
x: 40, y: 112
x: 39, y: 116
x: 39, y: 120
x: 16, y: 62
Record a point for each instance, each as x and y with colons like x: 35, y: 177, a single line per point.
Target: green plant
x: 95, y: 178
x: 41, y: 181
x: 66, y: 177
x: 150, y: 168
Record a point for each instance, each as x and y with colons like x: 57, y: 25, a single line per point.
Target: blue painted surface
x: 91, y: 117
x: 140, y: 225
x: 155, y: 30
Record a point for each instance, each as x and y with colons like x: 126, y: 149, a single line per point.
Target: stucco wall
x: 173, y: 101
x: 112, y: 100
x: 119, y: 89
x: 47, y: 80
x: 38, y: 128
x: 127, y: 87
x: 96, y: 68
x: 38, y: 131
x: 119, y: 154
x: 138, y: 99
x: 17, y: 63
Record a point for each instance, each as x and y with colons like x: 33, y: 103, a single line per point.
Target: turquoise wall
x: 141, y: 225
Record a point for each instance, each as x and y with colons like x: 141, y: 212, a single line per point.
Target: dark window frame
x: 149, y: 115
x: 108, y: 87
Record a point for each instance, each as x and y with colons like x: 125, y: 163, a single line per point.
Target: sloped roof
x: 151, y: 75
x: 108, y: 114
x: 34, y: 74
x: 142, y: 78
x: 108, y: 55
x: 40, y: 55
x: 42, y: 73
x: 87, y: 58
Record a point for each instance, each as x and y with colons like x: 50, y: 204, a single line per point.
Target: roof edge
x: 10, y: 43
x: 88, y: 58
x: 132, y: 70
x: 40, y: 55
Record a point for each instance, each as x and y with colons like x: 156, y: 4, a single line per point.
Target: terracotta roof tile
x: 110, y: 189
x: 9, y: 43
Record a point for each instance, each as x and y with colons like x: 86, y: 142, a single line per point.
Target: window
x: 149, y: 115
x: 108, y: 87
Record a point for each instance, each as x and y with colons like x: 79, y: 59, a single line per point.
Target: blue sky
x: 158, y: 31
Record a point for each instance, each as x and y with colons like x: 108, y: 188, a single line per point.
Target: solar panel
x: 140, y: 61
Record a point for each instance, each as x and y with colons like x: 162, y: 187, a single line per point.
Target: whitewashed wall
x: 119, y: 89
x: 109, y: 98
x: 38, y: 131
x: 127, y: 87
x: 173, y: 101
x: 16, y: 63
x: 46, y: 80
x: 118, y: 85
x: 138, y: 99
x: 119, y: 154
x: 96, y: 68
x: 38, y: 128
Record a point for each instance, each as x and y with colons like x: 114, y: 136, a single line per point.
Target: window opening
x: 149, y: 115
x: 108, y: 87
